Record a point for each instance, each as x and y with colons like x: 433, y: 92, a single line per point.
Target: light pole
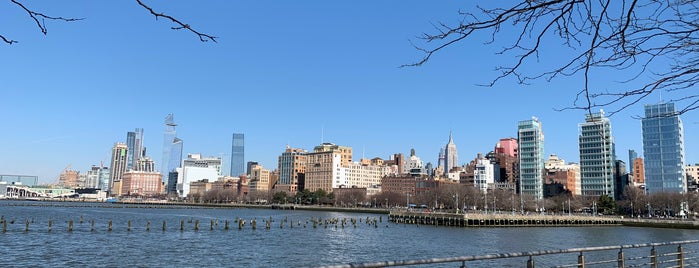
x: 407, y: 202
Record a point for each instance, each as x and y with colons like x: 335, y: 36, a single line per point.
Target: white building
x: 196, y: 160
x: 189, y: 174
x: 362, y: 176
x: 483, y: 173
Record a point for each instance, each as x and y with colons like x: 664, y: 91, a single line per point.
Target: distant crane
x: 57, y: 181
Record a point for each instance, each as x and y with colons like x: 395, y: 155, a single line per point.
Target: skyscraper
x: 530, y: 137
x: 632, y: 158
x: 663, y: 149
x: 451, y: 159
x: 238, y: 155
x: 172, y: 149
x: 134, y: 142
x: 118, y: 167
x: 292, y: 164
x: 597, y: 156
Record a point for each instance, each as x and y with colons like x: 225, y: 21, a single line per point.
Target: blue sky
x: 283, y: 72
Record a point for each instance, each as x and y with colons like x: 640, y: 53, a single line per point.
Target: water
x: 275, y: 247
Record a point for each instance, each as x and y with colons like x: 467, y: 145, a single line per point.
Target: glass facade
x: 597, y: 157
x: 530, y: 138
x: 632, y: 156
x: 238, y: 155
x: 134, y: 142
x: 663, y: 149
x: 172, y: 149
x: 20, y: 179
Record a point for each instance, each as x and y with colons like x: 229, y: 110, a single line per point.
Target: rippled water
x: 300, y: 246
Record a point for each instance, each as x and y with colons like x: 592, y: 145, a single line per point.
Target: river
x: 282, y: 245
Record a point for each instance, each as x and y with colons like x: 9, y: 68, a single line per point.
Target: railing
x: 659, y: 255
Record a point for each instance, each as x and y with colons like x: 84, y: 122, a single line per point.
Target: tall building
x: 663, y: 149
x: 97, y: 177
x: 172, y: 149
x: 451, y: 158
x: 530, y: 137
x: 292, y: 164
x: 118, y: 167
x: 324, y: 164
x: 632, y: 157
x: 134, y: 142
x: 597, y: 156
x: 238, y: 155
x: 639, y: 176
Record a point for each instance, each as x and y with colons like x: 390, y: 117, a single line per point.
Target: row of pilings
x: 497, y: 220
x: 81, y: 224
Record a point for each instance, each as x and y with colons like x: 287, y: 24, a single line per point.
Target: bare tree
x: 654, y: 40
x: 40, y: 20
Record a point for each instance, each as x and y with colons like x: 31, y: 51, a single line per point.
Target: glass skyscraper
x: 238, y: 155
x: 597, y: 156
x: 134, y: 142
x: 172, y: 149
x: 632, y: 156
x: 663, y: 149
x: 530, y: 136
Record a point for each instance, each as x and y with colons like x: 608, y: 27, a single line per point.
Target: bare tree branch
x: 654, y: 41
x: 8, y: 41
x: 202, y: 36
x: 39, y: 23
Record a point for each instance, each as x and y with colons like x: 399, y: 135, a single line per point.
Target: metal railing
x: 667, y: 257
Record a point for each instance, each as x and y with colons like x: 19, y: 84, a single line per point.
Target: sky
x: 293, y: 73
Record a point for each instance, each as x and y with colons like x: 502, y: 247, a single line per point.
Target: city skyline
x: 334, y: 73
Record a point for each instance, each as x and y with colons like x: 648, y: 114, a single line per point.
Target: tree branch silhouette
x: 653, y: 40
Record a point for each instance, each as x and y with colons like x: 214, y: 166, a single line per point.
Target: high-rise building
x: 451, y: 158
x: 118, y: 167
x: 639, y: 176
x: 172, y: 149
x: 324, y: 164
x: 134, y: 142
x: 632, y: 157
x: 292, y: 163
x: 259, y: 179
x: 597, y: 156
x: 238, y: 155
x: 663, y: 149
x: 98, y: 177
x: 530, y: 137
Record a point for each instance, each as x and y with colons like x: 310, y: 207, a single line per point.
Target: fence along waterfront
x: 682, y: 257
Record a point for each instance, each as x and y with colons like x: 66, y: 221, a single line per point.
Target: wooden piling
x: 109, y: 227
x: 164, y: 225
x: 196, y: 225
x: 128, y: 225
x: 92, y: 225
x: 26, y: 225
x: 50, y: 223
x: 4, y: 226
x: 70, y: 225
x: 181, y: 225
x: 228, y: 223
x: 212, y: 225
x: 148, y: 226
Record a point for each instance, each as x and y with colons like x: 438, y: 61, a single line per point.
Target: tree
x: 40, y: 20
x: 657, y: 42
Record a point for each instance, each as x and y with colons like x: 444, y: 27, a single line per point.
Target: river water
x: 282, y: 245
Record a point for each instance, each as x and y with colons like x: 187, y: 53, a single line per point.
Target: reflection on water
x: 281, y: 245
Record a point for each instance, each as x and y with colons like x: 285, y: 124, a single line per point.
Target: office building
x: 238, y: 155
x: 323, y: 166
x: 291, y: 165
x: 118, y: 167
x: 663, y: 149
x: 451, y: 158
x: 172, y: 149
x: 134, y: 142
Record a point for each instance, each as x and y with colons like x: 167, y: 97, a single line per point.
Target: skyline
x: 70, y: 95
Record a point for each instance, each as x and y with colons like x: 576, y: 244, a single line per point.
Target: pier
x: 499, y: 220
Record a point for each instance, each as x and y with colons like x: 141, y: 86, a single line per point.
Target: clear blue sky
x: 283, y: 72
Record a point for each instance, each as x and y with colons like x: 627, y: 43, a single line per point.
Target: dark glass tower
x: 238, y: 155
